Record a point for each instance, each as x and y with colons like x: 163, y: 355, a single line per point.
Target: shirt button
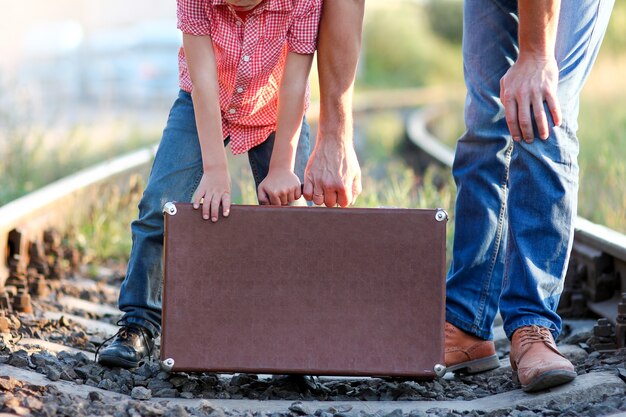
x: 246, y: 58
x: 232, y: 111
x: 238, y: 23
x: 239, y: 90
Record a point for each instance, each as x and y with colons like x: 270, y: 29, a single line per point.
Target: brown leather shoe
x: 468, y: 353
x: 536, y: 362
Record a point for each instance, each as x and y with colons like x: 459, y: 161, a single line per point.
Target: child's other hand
x: 280, y: 187
x: 214, y: 188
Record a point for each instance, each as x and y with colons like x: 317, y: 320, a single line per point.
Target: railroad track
x: 54, y: 313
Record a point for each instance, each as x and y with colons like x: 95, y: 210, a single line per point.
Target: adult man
x: 525, y: 64
x: 517, y: 176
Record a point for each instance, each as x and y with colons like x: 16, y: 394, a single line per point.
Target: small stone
x: 205, y: 407
x: 190, y: 386
x: 141, y: 393
x: 68, y: 374
x: 166, y: 393
x: 176, y: 411
x: 343, y: 408
x: 108, y: 385
x: 95, y: 396
x: 157, y: 384
x: 9, y: 384
x: 41, y: 359
x: 140, y: 380
x: 53, y: 374
x: 19, y: 359
x: 299, y: 409
x: 395, y: 413
x: 178, y: 380
x: 33, y: 403
x: 84, y: 372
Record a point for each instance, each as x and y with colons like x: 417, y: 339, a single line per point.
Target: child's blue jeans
x: 175, y: 175
x: 516, y: 202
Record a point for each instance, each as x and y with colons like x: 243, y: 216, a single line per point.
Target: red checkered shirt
x: 250, y: 57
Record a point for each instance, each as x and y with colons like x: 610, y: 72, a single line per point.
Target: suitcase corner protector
x: 440, y: 370
x: 167, y: 364
x: 170, y: 208
x: 441, y: 215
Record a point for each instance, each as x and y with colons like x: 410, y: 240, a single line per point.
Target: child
x: 244, y: 70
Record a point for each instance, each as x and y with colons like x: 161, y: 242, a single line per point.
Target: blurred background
x: 82, y: 81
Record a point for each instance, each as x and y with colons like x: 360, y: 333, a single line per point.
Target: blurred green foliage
x: 615, y: 38
x: 400, y: 50
x: 602, y: 137
x: 33, y: 156
x: 446, y: 19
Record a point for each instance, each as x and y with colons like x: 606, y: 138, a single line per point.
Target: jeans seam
x: 254, y: 169
x: 196, y: 183
x: 593, y: 31
x: 499, y: 5
x: 497, y: 240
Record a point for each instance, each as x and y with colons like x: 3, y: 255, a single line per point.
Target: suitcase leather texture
x: 310, y: 290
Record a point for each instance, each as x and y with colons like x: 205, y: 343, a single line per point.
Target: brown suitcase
x: 310, y: 290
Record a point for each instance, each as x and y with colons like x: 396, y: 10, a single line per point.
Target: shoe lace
x: 123, y: 333
x: 534, y: 334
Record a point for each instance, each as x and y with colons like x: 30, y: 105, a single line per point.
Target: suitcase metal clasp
x: 170, y: 208
x: 441, y: 215
x: 167, y: 365
x: 440, y: 370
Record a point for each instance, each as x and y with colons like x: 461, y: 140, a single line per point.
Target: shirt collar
x: 274, y: 5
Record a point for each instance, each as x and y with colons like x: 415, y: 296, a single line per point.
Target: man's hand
x: 214, y: 189
x: 529, y: 83
x: 280, y: 188
x: 333, y: 174
x: 533, y: 79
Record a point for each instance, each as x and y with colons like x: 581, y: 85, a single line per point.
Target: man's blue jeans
x: 516, y: 202
x: 175, y: 175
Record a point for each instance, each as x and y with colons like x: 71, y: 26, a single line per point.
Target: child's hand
x: 214, y: 188
x: 280, y: 187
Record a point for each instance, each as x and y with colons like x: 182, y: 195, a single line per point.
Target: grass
x: 104, y: 235
x: 34, y: 156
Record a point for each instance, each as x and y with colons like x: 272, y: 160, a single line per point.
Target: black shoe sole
x: 115, y: 361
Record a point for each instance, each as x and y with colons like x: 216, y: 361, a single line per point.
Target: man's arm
x: 214, y: 186
x: 333, y: 175
x: 534, y: 77
x: 282, y: 186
